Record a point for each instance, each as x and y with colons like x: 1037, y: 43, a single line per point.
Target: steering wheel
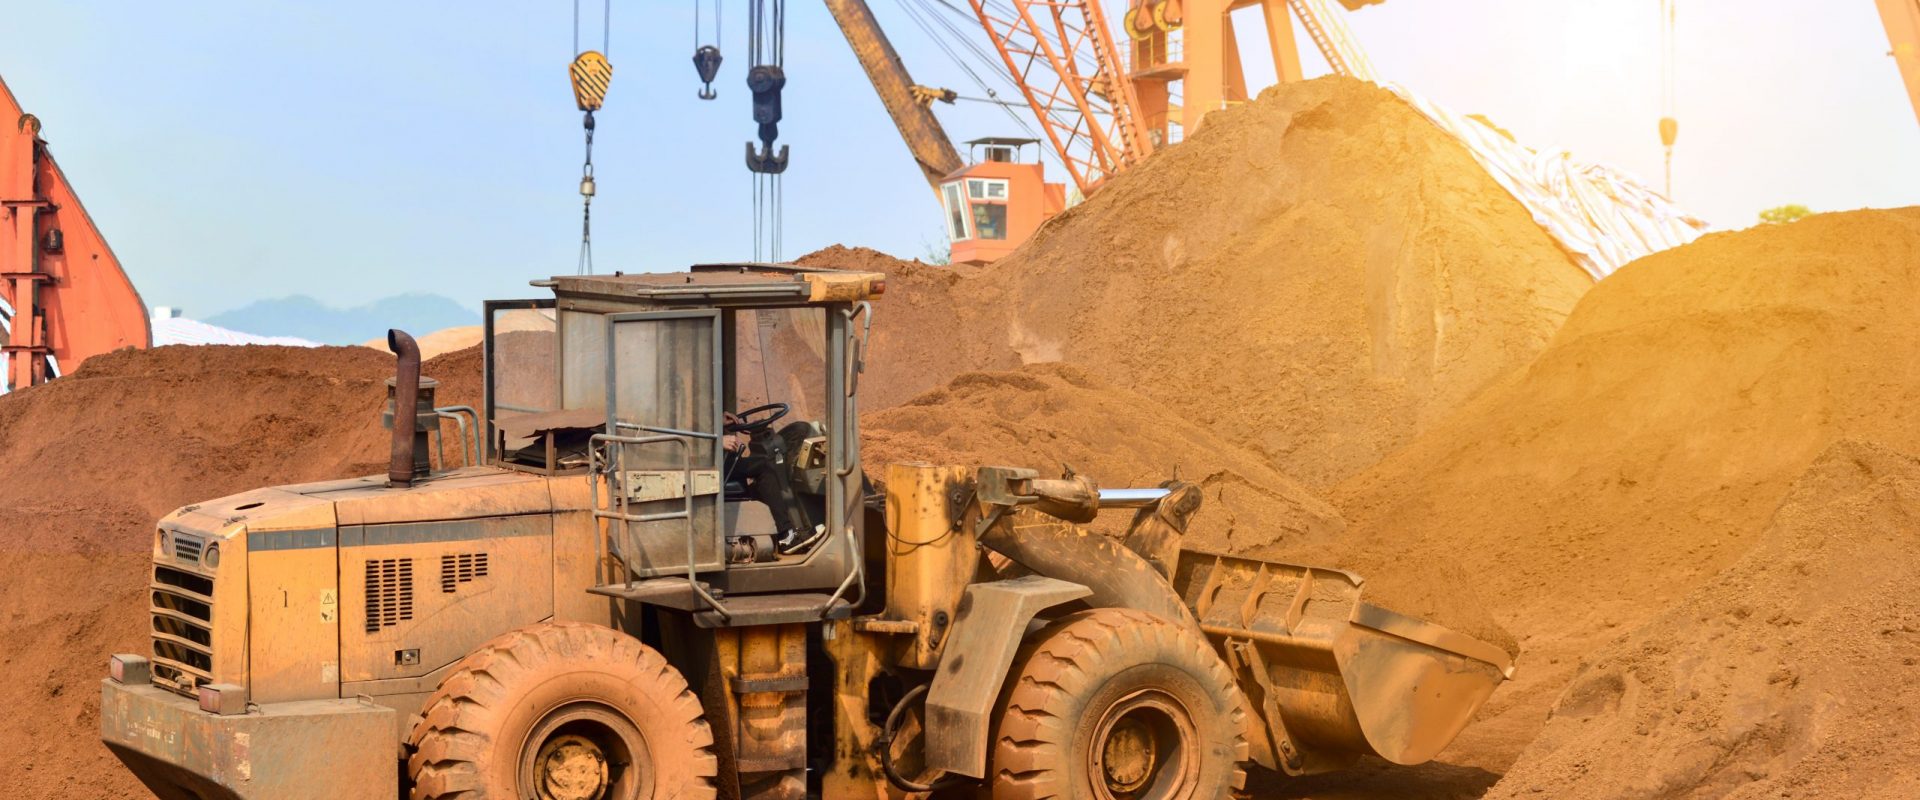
x: 745, y: 423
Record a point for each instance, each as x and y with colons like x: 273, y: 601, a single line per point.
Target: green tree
x: 1784, y: 214
x: 936, y: 252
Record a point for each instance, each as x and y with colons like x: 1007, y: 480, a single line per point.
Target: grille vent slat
x: 187, y: 547
x: 181, y: 628
x: 456, y: 569
x: 389, y: 592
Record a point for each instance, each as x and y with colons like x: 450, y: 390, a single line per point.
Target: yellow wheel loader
x: 663, y: 573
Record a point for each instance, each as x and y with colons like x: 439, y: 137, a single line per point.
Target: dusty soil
x: 1318, y: 275
x: 1315, y: 296
x: 1051, y: 416
x: 1788, y: 674
x: 933, y: 323
x: 1645, y: 450
x: 93, y: 459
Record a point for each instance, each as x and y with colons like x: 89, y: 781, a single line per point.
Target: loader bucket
x: 1332, y: 676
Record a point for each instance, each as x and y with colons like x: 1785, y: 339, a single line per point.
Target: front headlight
x: 210, y: 557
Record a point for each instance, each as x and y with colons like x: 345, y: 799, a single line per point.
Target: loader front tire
x: 562, y: 711
x: 1117, y: 704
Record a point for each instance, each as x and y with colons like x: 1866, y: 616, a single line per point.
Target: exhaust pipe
x: 403, y: 403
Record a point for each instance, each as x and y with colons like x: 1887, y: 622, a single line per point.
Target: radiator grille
x: 182, y: 614
x: 187, y: 547
x: 389, y: 592
x: 461, y: 568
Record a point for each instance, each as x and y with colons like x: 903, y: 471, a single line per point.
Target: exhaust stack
x: 409, y: 412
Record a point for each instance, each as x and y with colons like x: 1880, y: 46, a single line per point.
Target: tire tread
x: 448, y: 746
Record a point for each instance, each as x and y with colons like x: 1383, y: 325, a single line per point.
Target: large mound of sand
x: 89, y: 462
x: 931, y: 325
x: 1317, y: 275
x: 1314, y: 282
x: 1048, y: 416
x: 1789, y: 674
x: 1646, y: 448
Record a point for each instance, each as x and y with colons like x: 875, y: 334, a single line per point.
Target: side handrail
x: 605, y: 467
x: 857, y: 574
x: 469, y: 437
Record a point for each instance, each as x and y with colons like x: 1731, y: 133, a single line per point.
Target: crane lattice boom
x: 1061, y: 54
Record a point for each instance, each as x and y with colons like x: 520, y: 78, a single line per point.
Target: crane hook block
x: 1669, y: 130
x: 766, y: 81
x: 591, y: 74
x: 764, y: 161
x: 706, y: 60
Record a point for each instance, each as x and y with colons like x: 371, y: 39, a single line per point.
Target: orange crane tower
x: 66, y: 295
x: 1101, y: 115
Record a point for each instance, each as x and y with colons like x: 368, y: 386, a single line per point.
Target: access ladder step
x: 741, y: 610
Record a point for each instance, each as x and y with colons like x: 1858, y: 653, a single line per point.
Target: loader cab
x: 712, y: 414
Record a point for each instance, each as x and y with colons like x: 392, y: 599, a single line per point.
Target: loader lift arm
x: 932, y: 149
x: 67, y: 296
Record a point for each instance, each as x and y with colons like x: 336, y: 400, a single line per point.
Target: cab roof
x: 735, y: 285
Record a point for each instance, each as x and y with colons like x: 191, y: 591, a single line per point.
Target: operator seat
x: 773, y: 469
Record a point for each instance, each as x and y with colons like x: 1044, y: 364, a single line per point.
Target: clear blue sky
x: 352, y: 150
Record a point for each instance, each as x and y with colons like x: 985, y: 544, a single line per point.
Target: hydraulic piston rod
x: 1131, y: 498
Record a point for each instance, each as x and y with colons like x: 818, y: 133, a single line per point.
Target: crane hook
x: 766, y: 81
x: 706, y: 61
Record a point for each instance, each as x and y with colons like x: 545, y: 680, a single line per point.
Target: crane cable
x: 767, y: 49
x: 1669, y: 123
x: 923, y: 14
x: 706, y: 57
x: 591, y: 73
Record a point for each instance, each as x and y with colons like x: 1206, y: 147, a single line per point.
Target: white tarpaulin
x: 180, y: 330
x: 177, y: 330
x: 1602, y: 216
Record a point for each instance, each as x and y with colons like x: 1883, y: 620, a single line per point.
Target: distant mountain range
x: 307, y: 318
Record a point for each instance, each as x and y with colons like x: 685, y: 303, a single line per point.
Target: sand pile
x: 90, y: 461
x: 931, y: 324
x: 1048, y: 415
x: 1317, y: 275
x: 1646, y: 448
x: 1044, y: 416
x: 1789, y: 674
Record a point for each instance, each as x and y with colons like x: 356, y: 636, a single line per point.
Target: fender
x: 987, y: 631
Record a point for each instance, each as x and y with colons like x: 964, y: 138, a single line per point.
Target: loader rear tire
x: 1117, y: 704
x: 562, y: 711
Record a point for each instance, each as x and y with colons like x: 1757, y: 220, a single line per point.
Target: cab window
x: 956, y: 212
x: 990, y: 220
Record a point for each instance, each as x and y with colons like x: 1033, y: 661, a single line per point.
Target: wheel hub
x: 571, y: 768
x: 1130, y: 756
x: 1145, y: 748
x: 584, y: 750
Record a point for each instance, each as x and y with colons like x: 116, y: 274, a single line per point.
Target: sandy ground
x: 1687, y: 493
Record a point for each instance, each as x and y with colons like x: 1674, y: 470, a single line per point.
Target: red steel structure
x: 1062, y: 56
x: 67, y: 295
x: 1102, y: 114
